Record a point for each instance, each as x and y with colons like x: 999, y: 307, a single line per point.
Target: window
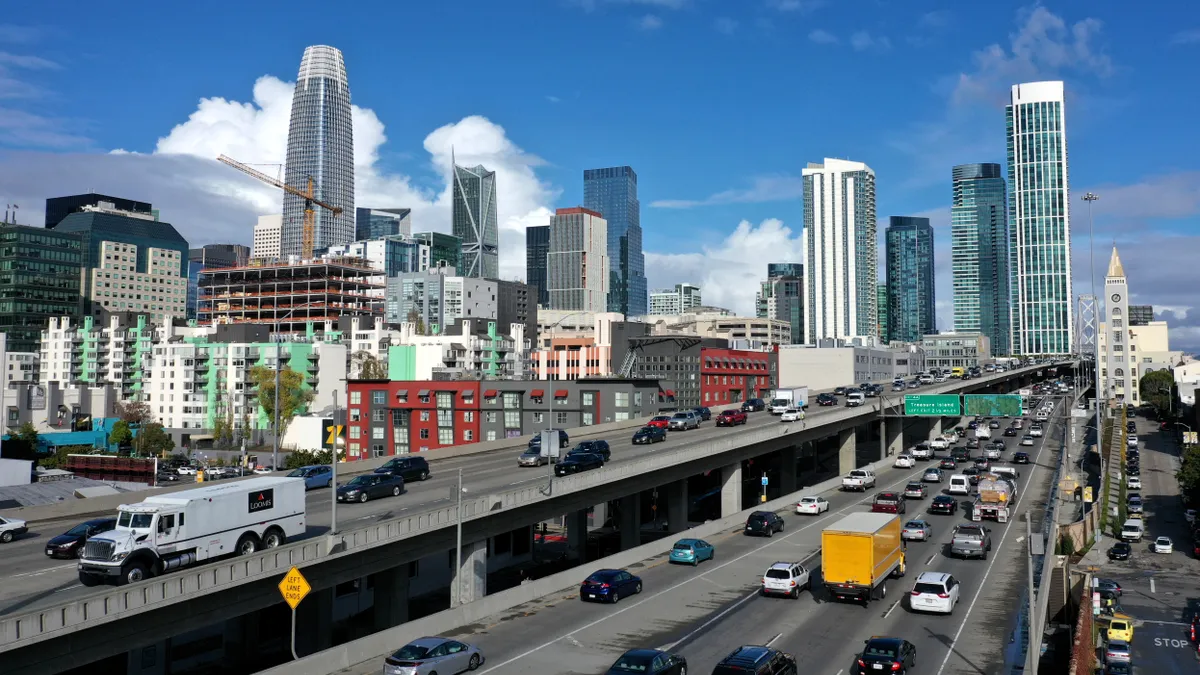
x: 621, y: 399
x: 379, y: 397
x: 378, y: 414
x: 586, y: 399
x: 445, y: 399
x: 469, y: 416
x: 512, y: 419
x: 423, y: 399
x: 490, y: 417
x: 491, y: 435
x: 469, y: 435
x: 512, y: 400
x: 637, y: 399
x: 445, y: 418
x: 424, y: 415
x: 589, y: 419
x: 355, y: 432
x: 424, y: 434
x: 355, y: 398
x: 539, y: 417
x: 377, y: 433
x: 560, y: 418
x: 446, y: 436
x: 621, y: 416
x: 402, y: 396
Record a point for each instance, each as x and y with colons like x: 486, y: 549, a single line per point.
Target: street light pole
x: 1090, y: 198
x: 456, y: 587
x: 333, y: 466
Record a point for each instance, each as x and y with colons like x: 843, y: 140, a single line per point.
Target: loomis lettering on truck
x: 167, y: 532
x: 859, y: 553
x: 790, y: 397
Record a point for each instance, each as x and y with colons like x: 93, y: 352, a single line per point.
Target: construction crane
x: 310, y: 218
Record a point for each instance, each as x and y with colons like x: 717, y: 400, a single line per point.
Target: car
x: 1134, y: 503
x: 1120, y: 551
x: 1118, y: 668
x: 428, y: 655
x: 648, y: 435
x: 263, y: 470
x: 971, y: 540
x: 932, y: 475
x: 887, y: 654
x: 1027, y: 441
x: 948, y: 464
x: 592, y: 448
x: 764, y: 523
x: 840, y: 391
x: 792, y: 415
x: 533, y: 457
x: 1133, y: 482
x: 659, y: 421
x: 564, y: 440
x: 960, y: 454
x: 1121, y: 628
x: 899, y: 385
x: 785, y: 578
x: 826, y: 399
x: 731, y: 418
x: 166, y: 476
x: 855, y: 399
x: 982, y: 464
x: 1035, y: 431
x: 972, y: 443
x: 578, y: 463
x: 314, y: 475
x: 914, y: 490
x: 939, y: 443
x: 812, y: 505
x: 188, y: 470
x: 889, y: 502
x: 1117, y: 651
x: 994, y: 424
x: 370, y: 486
x: 916, y: 530
x: 914, y: 384
x: 754, y: 405
x: 757, y: 660
x: 1011, y: 431
x: 973, y: 425
x: 934, y: 592
x: 904, y: 461
x: 648, y: 662
x: 704, y: 413
x: 944, y: 504
x: 692, y: 551
x: 1163, y: 545
x: 1133, y: 471
x: 1020, y: 458
x: 1132, y: 441
x: 414, y: 467
x: 609, y: 585
x: 70, y: 543
x: 1111, y: 586
x: 682, y: 421
x: 921, y: 451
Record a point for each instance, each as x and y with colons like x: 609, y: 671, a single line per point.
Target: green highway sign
x: 933, y: 405
x: 993, y: 405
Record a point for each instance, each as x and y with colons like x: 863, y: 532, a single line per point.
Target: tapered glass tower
x: 612, y: 192
x: 475, y: 222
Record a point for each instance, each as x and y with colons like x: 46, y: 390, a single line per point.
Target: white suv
x: 934, y: 592
x: 785, y: 578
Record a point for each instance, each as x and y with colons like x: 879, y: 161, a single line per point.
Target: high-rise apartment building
x: 1039, y: 217
x: 1140, y: 315
x: 379, y: 223
x: 612, y: 192
x: 675, y: 300
x: 268, y: 235
x: 782, y: 297
x: 839, y: 225
x: 475, y: 221
x: 437, y: 297
x: 910, y: 279
x: 577, y: 269
x: 789, y: 269
x: 40, y: 280
x: 321, y: 146
x: 58, y: 208
x: 537, y: 247
x: 881, y: 302
x: 211, y: 256
x: 979, y: 247
x: 445, y: 250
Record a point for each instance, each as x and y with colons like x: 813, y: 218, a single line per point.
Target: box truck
x: 788, y: 397
x: 172, y: 531
x: 859, y: 553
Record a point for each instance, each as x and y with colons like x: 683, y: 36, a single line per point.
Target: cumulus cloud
x: 862, y: 40
x: 822, y: 37
x: 649, y: 22
x: 774, y: 188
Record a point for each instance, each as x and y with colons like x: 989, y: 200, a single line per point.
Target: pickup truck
x: 859, y: 553
x: 971, y: 541
x: 859, y: 479
x: 921, y: 451
x: 939, y: 443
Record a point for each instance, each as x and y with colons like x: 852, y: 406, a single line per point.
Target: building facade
x: 391, y: 255
x: 379, y: 223
x: 612, y: 192
x: 678, y: 300
x: 40, y: 278
x: 211, y: 255
x: 577, y: 269
x: 1039, y: 216
x: 672, y: 360
x: 839, y: 224
x: 956, y: 350
x: 445, y: 250
x: 782, y: 297
x: 1140, y: 315
x: 882, y: 303
x: 466, y: 349
x: 910, y: 282
x: 436, y: 298
x: 1119, y: 360
x: 475, y: 222
x: 734, y: 375
x: 709, y: 322
x: 516, y: 304
x: 58, y: 208
x: 268, y: 233
x: 820, y: 368
x: 537, y: 248
x: 571, y: 359
x: 979, y: 249
x: 321, y: 146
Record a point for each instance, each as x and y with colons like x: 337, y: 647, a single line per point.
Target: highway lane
x: 703, y: 613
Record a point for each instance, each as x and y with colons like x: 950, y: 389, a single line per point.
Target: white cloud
x: 763, y: 189
x: 25, y: 61
x: 935, y: 19
x: 803, y: 6
x: 553, y: 99
x: 649, y: 22
x: 822, y: 37
x: 725, y: 25
x: 863, y: 40
x: 1186, y: 37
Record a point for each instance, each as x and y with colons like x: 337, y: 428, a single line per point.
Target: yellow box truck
x: 859, y: 553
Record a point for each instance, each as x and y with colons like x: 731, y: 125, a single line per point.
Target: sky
x: 717, y: 104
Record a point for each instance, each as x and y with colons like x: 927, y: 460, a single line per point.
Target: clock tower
x: 1119, y: 365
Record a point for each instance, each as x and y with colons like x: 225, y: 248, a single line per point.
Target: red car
x: 729, y: 418
x: 660, y: 421
x: 888, y: 502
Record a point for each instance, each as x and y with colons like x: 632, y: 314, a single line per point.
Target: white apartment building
x: 390, y: 255
x: 438, y: 298
x: 478, y: 349
x: 20, y: 367
x: 577, y: 272
x: 268, y: 235
x: 676, y: 300
x: 117, y: 286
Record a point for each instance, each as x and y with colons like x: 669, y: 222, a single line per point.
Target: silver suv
x: 971, y: 541
x: 684, y: 420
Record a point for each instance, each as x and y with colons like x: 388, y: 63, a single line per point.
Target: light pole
x: 1090, y: 198
x: 456, y: 589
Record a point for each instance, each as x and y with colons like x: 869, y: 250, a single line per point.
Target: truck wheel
x: 273, y: 539
x: 133, y: 573
x: 88, y: 580
x: 247, y: 545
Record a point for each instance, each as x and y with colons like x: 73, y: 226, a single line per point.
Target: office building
x: 475, y: 222
x: 945, y: 351
x: 41, y: 280
x: 782, y: 297
x: 712, y: 322
x: 58, y: 208
x: 445, y: 250
x: 516, y: 304
x: 612, y: 192
x: 734, y: 375
x: 673, y: 360
x: 881, y: 303
x: 321, y: 146
x: 379, y: 223
x: 436, y: 298
x: 577, y: 269
x: 979, y: 249
x: 1042, y: 304
x: 839, y: 224
x: 676, y: 300
x: 390, y: 255
x: 537, y: 247
x: 267, y: 238
x: 1140, y: 315
x: 791, y: 269
x: 910, y: 279
x: 211, y: 256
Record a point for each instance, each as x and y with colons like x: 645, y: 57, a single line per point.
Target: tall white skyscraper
x: 842, y: 269
x: 1042, y: 320
x: 577, y: 272
x: 267, y: 237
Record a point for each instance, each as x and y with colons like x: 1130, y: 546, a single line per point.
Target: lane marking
x: 706, y: 624
x: 1152, y: 585
x: 930, y: 561
x: 40, y: 572
x: 68, y: 588
x: 890, y: 609
x: 1162, y: 623
x: 772, y: 640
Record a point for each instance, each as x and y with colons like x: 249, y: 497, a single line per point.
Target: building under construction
x: 289, y: 296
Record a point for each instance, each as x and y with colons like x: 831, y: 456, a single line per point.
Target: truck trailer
x: 172, y: 531
x: 995, y: 496
x: 788, y: 397
x: 859, y: 553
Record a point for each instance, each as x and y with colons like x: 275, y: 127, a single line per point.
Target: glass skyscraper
x: 910, y: 286
x: 445, y: 250
x: 1039, y: 217
x: 979, y: 243
x: 613, y: 193
x: 537, y: 247
x: 377, y: 223
x: 475, y: 221
x: 782, y: 297
x: 320, y: 146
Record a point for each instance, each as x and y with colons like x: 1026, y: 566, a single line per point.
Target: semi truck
x: 788, y: 397
x: 859, y: 553
x: 994, y: 499
x: 171, y: 531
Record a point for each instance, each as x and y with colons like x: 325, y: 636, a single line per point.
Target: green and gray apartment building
x: 39, y: 279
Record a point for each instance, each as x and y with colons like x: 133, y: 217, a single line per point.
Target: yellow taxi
x: 1121, y: 628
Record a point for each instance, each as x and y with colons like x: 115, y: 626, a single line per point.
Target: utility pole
x: 333, y: 467
x: 278, y: 365
x: 1034, y: 647
x: 456, y: 587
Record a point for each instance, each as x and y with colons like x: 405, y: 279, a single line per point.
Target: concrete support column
x: 577, y: 533
x: 891, y: 436
x: 935, y: 427
x: 391, y: 597
x: 731, y: 489
x: 677, y: 506
x: 631, y: 521
x: 847, y: 446
x: 314, y: 624
x: 788, y: 458
x: 472, y: 576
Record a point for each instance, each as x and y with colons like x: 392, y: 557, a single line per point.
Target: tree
x: 293, y: 397
x: 369, y: 367
x: 135, y: 412
x: 1189, y: 474
x: 415, y: 319
x: 1158, y: 389
x: 28, y: 433
x: 120, y: 434
x: 298, y: 458
x: 154, y: 440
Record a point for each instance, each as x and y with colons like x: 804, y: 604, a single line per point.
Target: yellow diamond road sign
x: 294, y: 587
x: 334, y: 432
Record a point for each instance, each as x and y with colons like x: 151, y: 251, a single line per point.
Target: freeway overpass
x: 51, y: 624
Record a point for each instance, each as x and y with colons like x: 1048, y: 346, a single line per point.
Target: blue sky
x: 717, y: 104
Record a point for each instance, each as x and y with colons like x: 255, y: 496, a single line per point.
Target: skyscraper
x: 445, y: 250
x: 979, y: 242
x: 475, y: 221
x: 377, y: 223
x: 839, y: 224
x: 1039, y: 216
x: 676, y: 300
x: 782, y: 297
x: 910, y: 279
x: 612, y: 192
x: 320, y: 146
x: 577, y: 265
x: 881, y: 303
x: 537, y: 247
x: 58, y: 208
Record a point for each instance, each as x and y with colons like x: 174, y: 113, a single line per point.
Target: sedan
x: 370, y: 486
x: 792, y: 415
x: 70, y: 543
x: 916, y: 530
x: 648, y: 435
x: 578, y: 463
x: 1020, y: 458
x: 994, y: 424
x: 904, y: 461
x: 1117, y: 651
x: 887, y: 654
x: 943, y: 504
x: 826, y: 399
x: 730, y: 418
x: 703, y: 413
x: 1163, y: 545
x: 914, y: 491
x: 315, y: 476
x: 1027, y: 441
x: 692, y: 551
x: 609, y: 586
x: 648, y: 662
x: 682, y: 421
x: 186, y: 471
x: 533, y: 457
x: 947, y: 464
x: 972, y: 443
x: 1011, y: 431
x: 660, y: 421
x: 813, y: 506
x: 1120, y: 551
x: 433, y: 655
x: 932, y: 475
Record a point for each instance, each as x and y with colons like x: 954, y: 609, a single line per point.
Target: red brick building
x: 734, y: 375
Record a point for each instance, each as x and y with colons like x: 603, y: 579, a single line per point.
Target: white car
x: 186, y: 471
x: 939, y: 444
x: 934, y: 592
x: 1163, y: 545
x: 785, y: 578
x: 1035, y: 431
x: 904, y: 461
x: 1027, y: 441
x: 792, y: 415
x: 1132, y: 441
x: 814, y: 506
x: 1135, y: 483
x: 10, y: 528
x: 263, y: 470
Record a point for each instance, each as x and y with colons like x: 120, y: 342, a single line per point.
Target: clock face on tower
x: 1116, y: 297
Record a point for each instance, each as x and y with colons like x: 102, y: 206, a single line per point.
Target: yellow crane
x: 310, y: 224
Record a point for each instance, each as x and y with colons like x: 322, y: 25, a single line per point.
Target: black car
x: 703, y: 413
x: 826, y: 399
x: 754, y: 405
x: 1120, y: 551
x: 1011, y: 431
x: 960, y: 454
x: 889, y: 654
x: 1020, y: 458
x: 648, y: 662
x: 647, y: 435
x: 592, y: 448
x: 756, y: 660
x: 943, y: 504
x: 166, y: 476
x: 1133, y: 471
x: 840, y: 391
x: 973, y: 424
x: 764, y: 523
x: 408, y: 468
x: 371, y: 486
x: 70, y: 543
x: 578, y: 463
x: 563, y: 440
